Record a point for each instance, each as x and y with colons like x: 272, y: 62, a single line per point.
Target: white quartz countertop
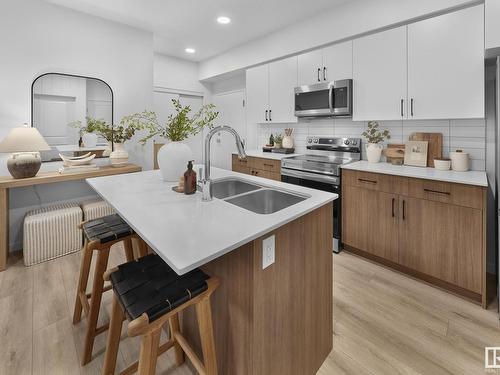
x: 187, y: 232
x: 266, y: 155
x: 477, y: 178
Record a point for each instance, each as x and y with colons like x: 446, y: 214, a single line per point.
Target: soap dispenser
x: 190, y: 179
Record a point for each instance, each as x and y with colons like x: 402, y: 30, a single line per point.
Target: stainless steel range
x: 320, y: 169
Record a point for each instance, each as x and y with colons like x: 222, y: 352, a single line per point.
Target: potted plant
x: 88, y: 133
x: 374, y: 137
x: 174, y: 155
x: 278, y: 139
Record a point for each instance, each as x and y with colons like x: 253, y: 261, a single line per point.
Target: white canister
x: 459, y: 161
x: 287, y: 141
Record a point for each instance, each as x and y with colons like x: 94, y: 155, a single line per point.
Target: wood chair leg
x: 114, y: 334
x: 82, y: 282
x: 95, y: 304
x: 175, y: 327
x: 204, y: 316
x: 143, y: 248
x: 129, y: 249
x: 149, y: 352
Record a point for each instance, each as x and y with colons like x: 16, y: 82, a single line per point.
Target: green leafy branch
x: 373, y: 134
x: 180, y: 126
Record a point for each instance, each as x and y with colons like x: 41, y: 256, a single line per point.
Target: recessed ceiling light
x: 223, y: 20
x: 190, y: 50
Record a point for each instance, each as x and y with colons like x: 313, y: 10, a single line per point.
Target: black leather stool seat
x: 150, y: 286
x: 106, y: 229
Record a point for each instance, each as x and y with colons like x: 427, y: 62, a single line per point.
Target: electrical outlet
x: 268, y: 247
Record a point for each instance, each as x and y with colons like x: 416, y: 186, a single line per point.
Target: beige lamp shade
x: 24, y: 139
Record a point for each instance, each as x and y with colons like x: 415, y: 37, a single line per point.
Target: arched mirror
x: 65, y: 107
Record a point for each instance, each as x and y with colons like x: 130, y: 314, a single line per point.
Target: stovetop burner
x: 325, y: 155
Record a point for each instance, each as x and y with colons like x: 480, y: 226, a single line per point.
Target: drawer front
x: 240, y: 163
x: 376, y: 181
x: 446, y: 192
x: 270, y: 165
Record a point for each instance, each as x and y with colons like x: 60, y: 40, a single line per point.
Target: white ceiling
x: 178, y: 24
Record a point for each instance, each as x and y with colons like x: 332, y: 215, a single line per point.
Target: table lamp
x: 24, y: 144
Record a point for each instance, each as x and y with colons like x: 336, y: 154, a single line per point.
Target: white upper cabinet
x: 270, y: 95
x: 337, y: 61
x: 325, y: 65
x: 446, y: 66
x: 492, y: 27
x: 257, y: 92
x: 379, y: 76
x: 310, y: 67
x: 282, y: 81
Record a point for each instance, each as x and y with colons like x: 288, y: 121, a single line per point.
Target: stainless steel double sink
x: 254, y: 197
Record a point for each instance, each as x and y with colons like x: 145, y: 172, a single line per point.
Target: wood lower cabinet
x: 431, y: 230
x: 370, y: 221
x: 260, y: 167
x: 442, y: 240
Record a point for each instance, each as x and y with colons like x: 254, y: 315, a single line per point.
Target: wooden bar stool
x: 151, y: 294
x: 99, y: 235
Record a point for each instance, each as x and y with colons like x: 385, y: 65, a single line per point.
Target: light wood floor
x: 385, y: 323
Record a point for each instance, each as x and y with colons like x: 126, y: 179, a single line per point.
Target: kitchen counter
x: 187, y: 232
x: 476, y: 178
x: 276, y: 270
x: 266, y: 155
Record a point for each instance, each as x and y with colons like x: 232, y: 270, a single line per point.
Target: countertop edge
x: 422, y: 173
x: 248, y: 239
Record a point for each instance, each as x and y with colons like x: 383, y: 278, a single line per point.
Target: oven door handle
x: 330, y: 97
x: 310, y: 176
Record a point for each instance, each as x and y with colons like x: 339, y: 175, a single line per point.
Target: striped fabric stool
x: 150, y: 294
x: 51, y: 232
x: 96, y: 208
x: 100, y: 235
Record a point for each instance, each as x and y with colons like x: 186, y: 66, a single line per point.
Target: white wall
x: 346, y: 21
x: 176, y: 74
x: 37, y: 37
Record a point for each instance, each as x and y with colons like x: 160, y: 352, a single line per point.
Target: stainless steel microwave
x: 324, y: 99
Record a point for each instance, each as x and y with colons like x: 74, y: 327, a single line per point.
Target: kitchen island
x: 272, y: 314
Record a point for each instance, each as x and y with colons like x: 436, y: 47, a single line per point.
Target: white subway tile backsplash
x: 468, y: 134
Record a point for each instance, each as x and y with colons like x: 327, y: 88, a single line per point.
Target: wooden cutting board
x: 435, y: 148
x: 395, y: 153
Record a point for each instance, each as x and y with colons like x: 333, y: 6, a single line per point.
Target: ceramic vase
x: 373, y: 152
x: 89, y: 140
x: 287, y: 141
x: 119, y: 156
x: 173, y: 158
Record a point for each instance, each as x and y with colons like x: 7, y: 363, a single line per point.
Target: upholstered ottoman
x: 51, y: 232
x: 96, y: 208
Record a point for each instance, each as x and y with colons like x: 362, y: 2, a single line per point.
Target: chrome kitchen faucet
x: 206, y: 183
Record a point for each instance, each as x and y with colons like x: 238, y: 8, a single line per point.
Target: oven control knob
x: 309, y: 140
x: 346, y: 142
x: 354, y: 142
x: 316, y: 140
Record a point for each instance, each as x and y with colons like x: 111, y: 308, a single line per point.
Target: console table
x: 7, y: 183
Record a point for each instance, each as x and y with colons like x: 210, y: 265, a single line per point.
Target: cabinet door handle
x: 411, y: 107
x: 319, y: 69
x: 269, y: 165
x: 324, y: 73
x: 270, y: 119
x: 266, y: 115
x: 393, y: 199
x: 402, y: 102
x: 404, y: 209
x: 437, y: 191
x: 369, y: 181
